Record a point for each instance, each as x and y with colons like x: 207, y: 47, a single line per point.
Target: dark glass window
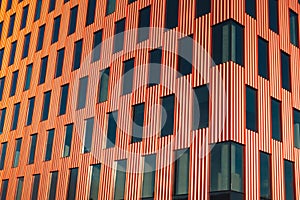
x: 65, y: 1
x: 49, y: 146
x: 32, y: 149
x: 19, y: 188
x: 202, y: 7
x: 46, y: 105
x: 77, y: 54
x: 263, y: 58
x: 12, y: 53
x: 137, y: 122
x: 251, y: 109
x: 228, y: 42
x: 112, y: 129
x: 90, y: 17
x: 15, y: 116
x: 167, y: 115
x: 38, y: 10
x: 149, y: 177
x: 30, y: 110
x: 110, y: 6
x: 95, y: 180
x: 8, y: 5
x: 26, y: 45
x: 14, y: 82
x: 97, y: 46
x: 4, y: 187
x: 185, y: 55
x: 3, y: 155
x: 119, y: 35
x: 51, y: 5
x: 72, y: 184
x: 273, y: 15
x: 154, y: 67
x: 11, y: 25
x: 276, y: 119
x: 289, y: 180
x: 17, y: 152
x: 63, y: 99
x: 24, y: 17
x: 297, y: 128
x: 2, y: 119
x: 56, y: 27
x: 2, y: 82
x: 171, y: 20
x: 53, y: 185
x: 28, y: 77
x: 43, y: 70
x: 285, y: 71
x: 131, y: 1
x: 89, y: 126
x: 73, y: 20
x: 201, y: 107
x: 59, y: 62
x: 1, y: 56
x: 1, y: 28
x: 120, y: 180
x: 82, y: 91
x: 128, y: 76
x: 68, y: 140
x: 251, y: 8
x: 265, y: 176
x: 35, y: 187
x: 181, y: 173
x: 144, y: 24
x: 103, y: 85
x: 40, y: 41
x: 294, y: 35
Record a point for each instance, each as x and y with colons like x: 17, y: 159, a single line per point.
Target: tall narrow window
x: 90, y: 17
x: 53, y: 185
x: 26, y: 45
x: 4, y: 187
x: 19, y: 188
x: 112, y: 129
x: 120, y: 179
x: 30, y: 110
x: 155, y: 57
x: 251, y: 109
x: 285, y: 71
x: 95, y: 180
x: 137, y: 122
x: 167, y: 115
x: 181, y: 172
x: 28, y: 77
x: 263, y: 58
x: 2, y: 83
x: 228, y: 42
x: 110, y: 6
x: 8, y: 5
x: 294, y: 35
x: 38, y: 10
x: 119, y: 35
x: 72, y: 184
x: 51, y: 5
x: 63, y: 99
x: 68, y: 140
x: 14, y: 82
x: 88, y: 135
x: 49, y: 146
x: 24, y: 17
x: 171, y: 20
x: 77, y: 54
x: 15, y: 116
x: 289, y: 180
x: 12, y: 53
x: 185, y: 55
x: 43, y: 70
x: 103, y: 85
x: 265, y: 176
x: 128, y: 76
x: 202, y: 7
x: 17, y: 152
x: 73, y: 20
x: 82, y: 91
x: 11, y: 25
x: 40, y: 41
x: 46, y: 105
x: 97, y: 46
x: 273, y: 15
x: 149, y: 177
x: 201, y: 107
x: 56, y: 27
x: 251, y: 8
x: 1, y: 29
x: 3, y: 155
x: 144, y: 24
x: 2, y: 119
x: 276, y: 119
x: 1, y: 56
x: 32, y: 149
x: 297, y: 128
x: 59, y: 62
x: 35, y: 187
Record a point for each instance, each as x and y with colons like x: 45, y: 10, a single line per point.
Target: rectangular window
x: 32, y: 149
x: 167, y: 115
x: 63, y: 99
x: 40, y: 41
x: 82, y: 91
x: 17, y: 152
x: 51, y: 5
x: 185, y: 55
x: 30, y: 110
x: 296, y: 128
x: 149, y: 177
x: 90, y: 17
x: 38, y: 10
x: 95, y: 180
x: 289, y: 180
x: 88, y: 135
x: 1, y: 56
x: 294, y: 35
x: 155, y: 57
x: 35, y: 187
x: 46, y: 105
x: 12, y: 53
x: 72, y: 184
x: 202, y: 7
x: 251, y: 109
x: 181, y: 173
x: 77, y: 54
x: 119, y: 35
x: 201, y: 107
x: 273, y: 15
x: 3, y: 155
x: 276, y: 119
x: 103, y: 85
x: 128, y: 76
x: 4, y: 187
x: 131, y: 1
x: 228, y: 42
x: 19, y: 188
x: 171, y: 20
x: 73, y: 20
x: 110, y: 6
x: 144, y: 24
x: 43, y: 70
x: 112, y: 129
x: 53, y: 185
x: 251, y: 8
x: 14, y: 82
x: 2, y: 119
x: 1, y: 29
x: 49, y: 146
x: 28, y: 77
x: 24, y: 17
x: 26, y: 45
x: 68, y: 140
x: 11, y: 25
x: 120, y: 180
x: 263, y: 58
x: 285, y: 71
x: 15, y: 116
x: 59, y: 62
x: 265, y: 176
x: 8, y: 5
x: 97, y: 46
x: 2, y: 83
x: 56, y: 27
x: 137, y: 122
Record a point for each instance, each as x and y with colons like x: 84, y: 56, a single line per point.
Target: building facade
x: 149, y: 99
